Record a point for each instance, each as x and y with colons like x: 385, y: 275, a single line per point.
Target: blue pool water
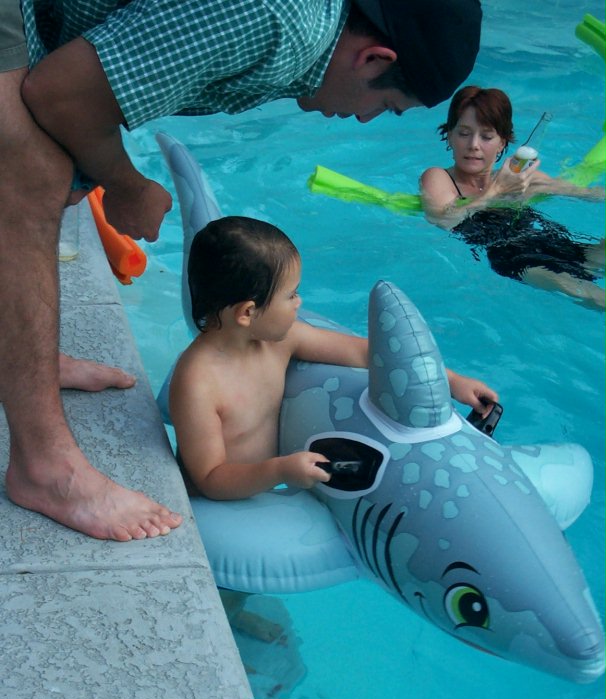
x: 542, y: 351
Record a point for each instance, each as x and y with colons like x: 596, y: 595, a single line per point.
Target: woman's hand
x: 508, y: 183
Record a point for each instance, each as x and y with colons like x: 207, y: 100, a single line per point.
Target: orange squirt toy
x: 125, y: 257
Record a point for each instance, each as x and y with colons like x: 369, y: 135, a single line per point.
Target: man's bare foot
x: 78, y: 496
x: 85, y: 375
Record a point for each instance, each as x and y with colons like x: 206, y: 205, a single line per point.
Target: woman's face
x: 475, y: 147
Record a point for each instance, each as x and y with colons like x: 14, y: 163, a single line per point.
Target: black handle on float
x: 340, y: 466
x: 489, y: 423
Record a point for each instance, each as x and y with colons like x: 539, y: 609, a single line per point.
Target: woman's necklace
x: 461, y: 181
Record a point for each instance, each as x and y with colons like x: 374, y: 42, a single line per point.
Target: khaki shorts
x: 13, y: 49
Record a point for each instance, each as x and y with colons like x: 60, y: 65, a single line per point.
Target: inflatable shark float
x: 464, y: 531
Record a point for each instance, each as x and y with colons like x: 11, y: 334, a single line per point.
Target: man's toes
x: 152, y: 530
x: 122, y: 534
x: 164, y: 521
x: 124, y: 380
x: 174, y: 520
x: 138, y: 533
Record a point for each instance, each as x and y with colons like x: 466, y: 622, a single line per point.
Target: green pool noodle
x: 325, y: 181
x: 591, y: 31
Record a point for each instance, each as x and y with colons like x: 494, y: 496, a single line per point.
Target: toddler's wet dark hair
x: 235, y: 259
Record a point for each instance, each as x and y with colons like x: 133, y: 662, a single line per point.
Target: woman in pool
x: 468, y: 198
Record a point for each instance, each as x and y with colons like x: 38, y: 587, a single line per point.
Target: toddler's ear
x: 244, y: 312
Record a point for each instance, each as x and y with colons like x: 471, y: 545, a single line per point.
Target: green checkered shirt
x: 166, y: 57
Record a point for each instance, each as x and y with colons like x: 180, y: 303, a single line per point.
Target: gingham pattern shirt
x: 165, y: 57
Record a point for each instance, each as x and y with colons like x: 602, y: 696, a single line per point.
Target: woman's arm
x: 542, y: 183
x: 444, y: 208
x: 441, y: 202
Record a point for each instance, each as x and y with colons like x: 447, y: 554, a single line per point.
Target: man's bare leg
x: 47, y: 472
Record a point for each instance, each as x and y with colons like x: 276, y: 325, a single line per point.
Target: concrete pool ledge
x: 88, y: 619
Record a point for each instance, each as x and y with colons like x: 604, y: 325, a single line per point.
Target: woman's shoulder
x: 436, y: 179
x: 437, y: 184
x: 435, y: 172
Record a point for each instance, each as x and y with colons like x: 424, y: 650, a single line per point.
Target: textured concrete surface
x: 88, y: 619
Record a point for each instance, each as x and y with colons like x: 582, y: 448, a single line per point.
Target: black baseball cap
x: 436, y: 41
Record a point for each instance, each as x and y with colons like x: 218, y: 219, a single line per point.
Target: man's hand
x: 137, y: 212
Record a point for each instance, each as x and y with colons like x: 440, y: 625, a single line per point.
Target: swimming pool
x: 542, y: 351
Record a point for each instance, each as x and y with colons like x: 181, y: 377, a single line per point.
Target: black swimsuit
x: 518, y: 238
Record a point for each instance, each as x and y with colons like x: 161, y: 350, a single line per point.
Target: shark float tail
x: 197, y: 204
x: 462, y: 530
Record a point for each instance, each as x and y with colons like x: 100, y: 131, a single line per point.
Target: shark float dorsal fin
x: 407, y: 377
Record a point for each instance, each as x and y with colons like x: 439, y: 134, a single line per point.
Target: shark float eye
x: 466, y: 606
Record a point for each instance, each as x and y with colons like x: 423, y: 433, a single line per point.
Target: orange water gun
x: 125, y: 257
